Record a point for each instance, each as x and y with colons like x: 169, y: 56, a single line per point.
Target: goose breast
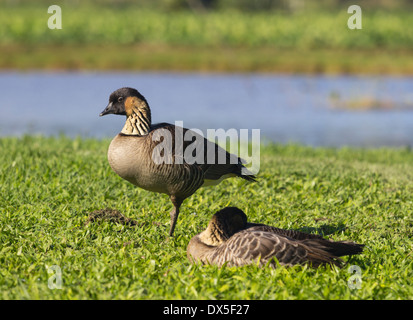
x: 130, y: 157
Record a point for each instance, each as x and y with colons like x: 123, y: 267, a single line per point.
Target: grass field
x: 132, y: 25
x: 48, y: 187
x: 94, y: 37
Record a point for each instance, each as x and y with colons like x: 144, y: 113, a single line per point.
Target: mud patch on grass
x: 110, y: 215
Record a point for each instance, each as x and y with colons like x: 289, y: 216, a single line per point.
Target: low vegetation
x: 136, y: 38
x: 52, y: 188
x: 120, y: 26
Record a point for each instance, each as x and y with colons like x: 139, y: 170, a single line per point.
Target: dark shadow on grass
x: 358, y: 261
x: 324, y: 230
x: 114, y: 216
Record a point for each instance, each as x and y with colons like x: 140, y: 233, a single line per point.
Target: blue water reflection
x: 312, y: 110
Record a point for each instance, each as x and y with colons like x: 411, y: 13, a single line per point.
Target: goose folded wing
x: 293, y: 234
x: 249, y: 247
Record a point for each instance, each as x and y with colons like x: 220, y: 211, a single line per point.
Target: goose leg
x: 174, y: 213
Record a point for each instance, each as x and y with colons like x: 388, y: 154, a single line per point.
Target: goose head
x: 130, y: 103
x: 126, y: 101
x: 223, y: 225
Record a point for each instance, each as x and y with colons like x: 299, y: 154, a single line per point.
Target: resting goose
x: 230, y: 239
x: 134, y: 154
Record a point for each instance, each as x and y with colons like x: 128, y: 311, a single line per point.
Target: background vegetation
x: 120, y: 26
x: 52, y: 185
x: 296, y: 36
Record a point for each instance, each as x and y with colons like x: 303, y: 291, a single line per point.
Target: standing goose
x: 134, y: 154
x: 230, y: 239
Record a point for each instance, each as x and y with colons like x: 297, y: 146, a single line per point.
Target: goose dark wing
x: 247, y: 247
x: 335, y: 248
x: 212, y: 159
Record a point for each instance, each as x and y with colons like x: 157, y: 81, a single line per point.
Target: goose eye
x: 120, y: 99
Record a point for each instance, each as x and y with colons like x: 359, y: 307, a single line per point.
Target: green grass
x: 132, y: 25
x: 134, y: 38
x: 48, y: 186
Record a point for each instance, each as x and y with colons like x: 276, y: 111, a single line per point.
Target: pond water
x: 314, y: 110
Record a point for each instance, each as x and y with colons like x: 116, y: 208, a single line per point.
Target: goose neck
x: 138, y: 123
